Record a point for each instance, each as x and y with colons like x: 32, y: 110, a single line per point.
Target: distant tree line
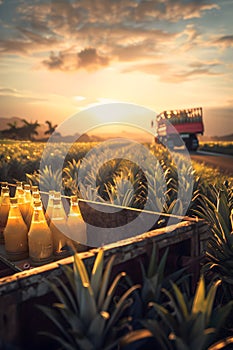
x: 27, y: 131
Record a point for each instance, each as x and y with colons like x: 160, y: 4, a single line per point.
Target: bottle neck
x: 58, y: 210
x: 28, y: 196
x: 14, y: 212
x: 38, y: 215
x: 74, y: 208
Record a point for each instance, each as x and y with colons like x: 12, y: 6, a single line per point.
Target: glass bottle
x: 28, y: 195
x: 58, y: 227
x: 3, y: 185
x: 77, y: 226
x: 19, y: 185
x: 23, y: 207
x: 57, y: 195
x: 4, y: 210
x: 35, y: 188
x: 40, y: 241
x: 35, y: 197
x: 15, y: 233
x: 49, y: 209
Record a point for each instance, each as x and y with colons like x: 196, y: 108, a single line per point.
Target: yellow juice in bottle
x: 40, y: 239
x: 15, y: 233
x: 23, y: 205
x: 77, y: 226
x: 28, y: 219
x: 4, y: 211
x: 59, y: 230
x: 49, y: 209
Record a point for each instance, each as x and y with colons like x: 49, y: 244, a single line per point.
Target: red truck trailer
x: 188, y: 123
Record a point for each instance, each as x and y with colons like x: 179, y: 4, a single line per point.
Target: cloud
x: 171, y: 73
x: 185, y: 75
x: 22, y: 99
x: 149, y: 68
x: 27, y: 42
x: 90, y: 59
x: 225, y: 41
x: 87, y: 58
x: 74, y: 35
x: 85, y: 23
x: 8, y: 91
x: 11, y: 94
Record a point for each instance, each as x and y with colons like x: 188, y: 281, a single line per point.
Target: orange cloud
x: 87, y: 58
x: 225, y: 41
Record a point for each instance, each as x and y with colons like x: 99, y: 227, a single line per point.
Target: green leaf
x: 111, y: 291
x: 158, y: 332
x: 65, y: 344
x: 69, y: 273
x: 134, y: 336
x: 221, y: 344
x: 199, y: 298
x: 70, y: 298
x: 70, y: 317
x: 105, y: 282
x: 153, y: 261
x: 96, y: 329
x: 88, y: 308
x: 81, y: 269
x: 210, y: 300
x: 97, y: 271
x: 53, y: 316
x: 223, y: 208
x: 177, y: 311
x: 181, y: 302
x: 166, y: 316
x: 161, y: 267
x: 119, y: 307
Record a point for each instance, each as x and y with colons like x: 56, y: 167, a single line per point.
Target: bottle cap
x: 21, y: 191
x: 5, y: 190
x: 37, y: 203
x: 27, y: 186
x: 14, y: 200
x: 36, y: 195
x: 73, y: 199
x: 57, y: 195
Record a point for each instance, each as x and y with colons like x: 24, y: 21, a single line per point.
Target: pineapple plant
x: 218, y: 212
x: 189, y: 323
x: 88, y: 313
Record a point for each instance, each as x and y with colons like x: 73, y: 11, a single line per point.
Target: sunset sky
x: 58, y: 57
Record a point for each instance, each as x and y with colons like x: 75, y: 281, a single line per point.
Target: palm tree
x: 51, y: 128
x: 29, y: 129
x: 13, y: 130
x: 12, y: 126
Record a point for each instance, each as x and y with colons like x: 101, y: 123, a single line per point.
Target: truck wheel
x: 192, y: 143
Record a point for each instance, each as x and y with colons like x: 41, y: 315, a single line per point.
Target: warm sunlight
x: 61, y: 62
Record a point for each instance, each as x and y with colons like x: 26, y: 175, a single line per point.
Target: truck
x: 175, y: 126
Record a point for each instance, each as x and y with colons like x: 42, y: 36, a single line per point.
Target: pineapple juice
x: 40, y: 240
x: 15, y: 234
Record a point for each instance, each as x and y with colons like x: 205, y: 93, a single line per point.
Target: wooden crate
x: 20, y: 321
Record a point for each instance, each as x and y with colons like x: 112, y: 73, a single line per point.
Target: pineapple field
x: 100, y: 308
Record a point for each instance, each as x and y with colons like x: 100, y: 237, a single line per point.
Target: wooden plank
x: 30, y: 283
